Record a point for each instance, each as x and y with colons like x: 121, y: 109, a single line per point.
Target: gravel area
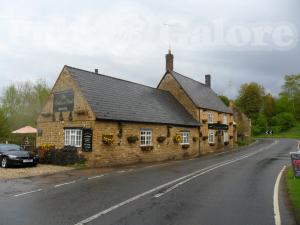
x: 40, y: 169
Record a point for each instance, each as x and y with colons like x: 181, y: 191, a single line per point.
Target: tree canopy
x: 21, y: 104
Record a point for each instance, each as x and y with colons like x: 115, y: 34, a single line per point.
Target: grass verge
x: 293, y: 191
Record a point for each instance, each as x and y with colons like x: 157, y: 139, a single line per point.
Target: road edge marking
x: 29, y: 192
x: 62, y: 184
x: 188, y: 176
x: 277, y: 217
x: 94, y: 177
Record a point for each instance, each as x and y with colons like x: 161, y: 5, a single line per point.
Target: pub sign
x: 63, y: 101
x: 217, y: 126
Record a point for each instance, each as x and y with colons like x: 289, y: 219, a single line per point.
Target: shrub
x: 132, y: 139
x: 65, y: 156
x: 284, y: 120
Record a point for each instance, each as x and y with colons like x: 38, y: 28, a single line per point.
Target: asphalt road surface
x: 234, y: 188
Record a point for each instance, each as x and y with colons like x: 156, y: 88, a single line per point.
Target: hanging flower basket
x: 132, y: 139
x: 195, y: 139
x: 204, y: 138
x: 211, y: 144
x: 204, y: 121
x: 108, y: 139
x: 185, y: 146
x: 161, y: 139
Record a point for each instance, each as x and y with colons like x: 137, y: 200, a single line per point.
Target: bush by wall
x: 65, y: 156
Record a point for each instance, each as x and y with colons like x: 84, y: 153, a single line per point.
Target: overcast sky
x: 234, y: 41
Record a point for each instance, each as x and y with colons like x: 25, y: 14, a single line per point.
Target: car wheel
x: 4, y: 162
x: 34, y: 164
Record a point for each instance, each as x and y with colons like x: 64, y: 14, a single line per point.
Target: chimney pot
x: 96, y: 71
x: 208, y: 80
x: 169, y: 61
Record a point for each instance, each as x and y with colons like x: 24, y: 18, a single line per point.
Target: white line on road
x: 95, y: 177
x: 29, y: 192
x: 275, y: 198
x: 59, y: 185
x: 188, y: 176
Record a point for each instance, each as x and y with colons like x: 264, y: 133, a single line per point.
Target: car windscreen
x: 5, y: 148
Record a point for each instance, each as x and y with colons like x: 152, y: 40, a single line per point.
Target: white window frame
x: 145, y: 137
x: 210, y: 117
x: 225, y: 119
x: 73, y: 137
x: 185, y: 136
x: 226, y: 136
x: 211, y: 136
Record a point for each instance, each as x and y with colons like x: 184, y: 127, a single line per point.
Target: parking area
x: 40, y: 169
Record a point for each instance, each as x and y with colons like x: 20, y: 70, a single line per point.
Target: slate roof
x: 200, y: 94
x: 115, y: 99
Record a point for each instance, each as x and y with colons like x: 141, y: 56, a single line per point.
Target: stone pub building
x: 114, y: 121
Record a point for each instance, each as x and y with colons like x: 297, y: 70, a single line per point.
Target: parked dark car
x: 15, y: 155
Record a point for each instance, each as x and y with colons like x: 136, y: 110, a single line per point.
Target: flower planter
x: 107, y: 139
x: 146, y: 148
x: 132, y: 139
x: 161, y: 139
x: 185, y: 146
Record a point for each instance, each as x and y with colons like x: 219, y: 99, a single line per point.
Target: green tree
x: 260, y: 124
x: 285, y: 121
x: 250, y: 99
x: 4, y: 129
x: 22, y: 102
x: 225, y: 99
x: 269, y: 108
x: 283, y: 104
x: 291, y: 89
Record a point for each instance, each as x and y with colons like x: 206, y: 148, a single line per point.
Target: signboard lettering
x: 87, y: 140
x: 63, y: 101
x: 217, y: 126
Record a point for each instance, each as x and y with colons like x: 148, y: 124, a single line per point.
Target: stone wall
x: 122, y: 152
x: 218, y: 146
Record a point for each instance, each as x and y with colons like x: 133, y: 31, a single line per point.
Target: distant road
x: 235, y: 188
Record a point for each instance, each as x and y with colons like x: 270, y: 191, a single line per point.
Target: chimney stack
x: 169, y: 61
x: 96, y: 71
x: 208, y: 80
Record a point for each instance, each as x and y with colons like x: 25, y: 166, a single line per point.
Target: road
x: 234, y: 188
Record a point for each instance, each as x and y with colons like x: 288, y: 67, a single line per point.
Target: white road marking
x: 188, y: 176
x: 29, y: 192
x: 59, y: 185
x: 121, y: 171
x: 275, y: 198
x: 95, y: 177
